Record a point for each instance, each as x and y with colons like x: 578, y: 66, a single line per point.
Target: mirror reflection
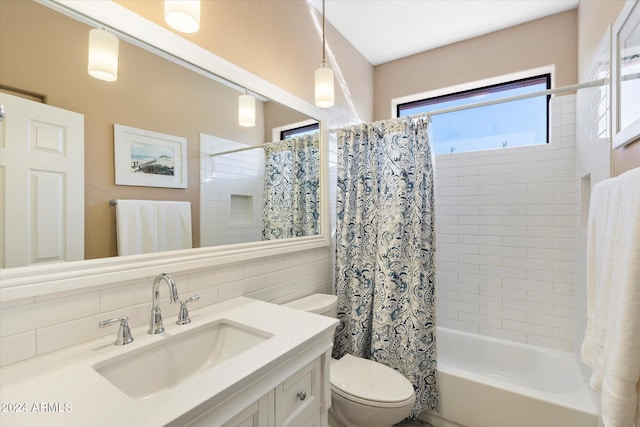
x: 283, y: 176
x: 236, y: 192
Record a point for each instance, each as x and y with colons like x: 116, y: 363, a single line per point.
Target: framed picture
x: 625, y: 105
x: 149, y: 159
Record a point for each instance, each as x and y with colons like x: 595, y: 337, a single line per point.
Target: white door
x: 41, y: 183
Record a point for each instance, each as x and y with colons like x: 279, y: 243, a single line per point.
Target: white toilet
x: 364, y: 393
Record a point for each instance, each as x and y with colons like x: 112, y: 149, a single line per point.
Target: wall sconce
x: 103, y: 55
x: 324, y: 76
x: 246, y: 110
x: 183, y: 15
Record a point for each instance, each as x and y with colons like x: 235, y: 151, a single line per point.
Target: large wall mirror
x: 241, y: 199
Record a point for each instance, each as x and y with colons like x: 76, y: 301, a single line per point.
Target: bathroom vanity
x: 241, y: 362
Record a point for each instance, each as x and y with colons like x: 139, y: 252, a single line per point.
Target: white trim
x: 621, y: 137
x: 547, y: 69
x: 27, y: 282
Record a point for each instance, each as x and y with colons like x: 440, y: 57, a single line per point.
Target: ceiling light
x: 183, y: 15
x: 324, y: 92
x: 103, y: 55
x: 246, y: 110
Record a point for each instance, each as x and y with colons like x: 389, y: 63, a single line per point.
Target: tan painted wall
x: 276, y: 40
x: 546, y: 41
x: 593, y: 19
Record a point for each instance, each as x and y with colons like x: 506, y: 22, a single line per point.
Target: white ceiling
x: 384, y: 30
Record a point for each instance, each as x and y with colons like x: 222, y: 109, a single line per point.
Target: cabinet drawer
x: 298, y: 397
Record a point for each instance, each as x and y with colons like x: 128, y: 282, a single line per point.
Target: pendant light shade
x: 246, y: 111
x: 324, y: 76
x: 183, y: 15
x: 103, y: 55
x: 324, y: 86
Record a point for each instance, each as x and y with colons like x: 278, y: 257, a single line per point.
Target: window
x: 510, y: 124
x: 299, y: 131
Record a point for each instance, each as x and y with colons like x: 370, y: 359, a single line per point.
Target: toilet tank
x: 317, y: 303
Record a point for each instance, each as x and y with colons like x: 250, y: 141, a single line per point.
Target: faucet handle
x: 183, y: 314
x: 124, y: 333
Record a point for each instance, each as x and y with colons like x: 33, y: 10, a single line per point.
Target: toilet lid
x: 369, y: 382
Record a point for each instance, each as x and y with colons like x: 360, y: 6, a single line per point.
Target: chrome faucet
x: 155, y: 321
x: 124, y: 333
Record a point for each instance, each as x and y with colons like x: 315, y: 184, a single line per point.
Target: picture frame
x: 149, y: 159
x: 625, y: 93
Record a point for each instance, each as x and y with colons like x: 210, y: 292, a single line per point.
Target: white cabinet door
x: 41, y: 183
x: 255, y: 415
x: 315, y: 420
x: 298, y: 396
x: 296, y: 402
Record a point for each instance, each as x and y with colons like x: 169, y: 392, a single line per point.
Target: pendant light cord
x: 324, y: 42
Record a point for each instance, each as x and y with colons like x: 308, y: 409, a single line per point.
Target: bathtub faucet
x: 155, y: 321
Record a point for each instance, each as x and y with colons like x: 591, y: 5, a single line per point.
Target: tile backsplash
x: 36, y: 326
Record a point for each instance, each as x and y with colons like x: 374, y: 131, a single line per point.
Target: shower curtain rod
x: 563, y: 89
x: 237, y: 150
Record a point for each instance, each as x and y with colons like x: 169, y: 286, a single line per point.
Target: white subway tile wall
x: 231, y: 190
x: 36, y: 326
x: 506, y: 223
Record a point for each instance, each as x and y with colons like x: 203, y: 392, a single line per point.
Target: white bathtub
x: 489, y: 382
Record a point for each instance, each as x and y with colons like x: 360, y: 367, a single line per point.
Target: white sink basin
x: 161, y: 366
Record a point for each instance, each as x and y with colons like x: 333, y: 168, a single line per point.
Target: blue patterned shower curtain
x: 291, y: 188
x: 385, y: 251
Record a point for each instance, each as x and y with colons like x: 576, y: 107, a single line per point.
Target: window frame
x: 509, y: 81
x: 276, y: 132
x: 291, y: 132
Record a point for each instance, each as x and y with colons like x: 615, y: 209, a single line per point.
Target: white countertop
x: 62, y: 388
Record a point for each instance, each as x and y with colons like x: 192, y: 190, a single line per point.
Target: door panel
x: 42, y: 165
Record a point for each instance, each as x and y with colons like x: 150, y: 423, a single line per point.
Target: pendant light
x: 183, y: 15
x: 103, y: 55
x: 246, y: 110
x: 324, y: 76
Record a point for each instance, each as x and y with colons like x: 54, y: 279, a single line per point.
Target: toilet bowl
x: 364, y: 393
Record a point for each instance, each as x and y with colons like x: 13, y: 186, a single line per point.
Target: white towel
x: 174, y: 226
x: 135, y: 221
x: 611, y: 345
x: 146, y: 226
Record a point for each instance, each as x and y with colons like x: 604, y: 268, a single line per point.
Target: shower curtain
x: 291, y: 188
x: 385, y: 251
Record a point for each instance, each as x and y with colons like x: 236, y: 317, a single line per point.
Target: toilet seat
x: 370, y: 383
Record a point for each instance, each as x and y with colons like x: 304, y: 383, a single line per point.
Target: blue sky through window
x: 511, y: 124
x: 300, y: 131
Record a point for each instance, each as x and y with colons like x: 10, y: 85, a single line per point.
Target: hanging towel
x: 611, y: 346
x: 145, y: 226
x: 137, y: 225
x: 174, y: 226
